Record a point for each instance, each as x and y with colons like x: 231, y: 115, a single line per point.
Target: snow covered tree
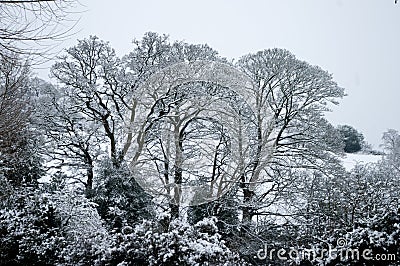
x: 83, y: 229
x: 29, y: 229
x: 391, y: 144
x: 353, y: 140
x: 181, y: 244
x: 225, y: 209
x: 19, y: 141
x: 90, y: 74
x: 119, y: 198
x: 246, y: 146
x: 50, y: 228
x: 99, y: 110
x: 374, y: 241
x: 73, y: 141
x: 166, y: 117
x: 291, y: 97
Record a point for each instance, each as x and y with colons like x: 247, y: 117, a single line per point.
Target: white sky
x: 358, y: 41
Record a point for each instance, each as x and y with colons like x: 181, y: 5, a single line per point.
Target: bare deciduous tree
x: 102, y: 90
x: 30, y: 27
x: 391, y: 144
x: 14, y: 111
x: 18, y: 160
x: 290, y: 99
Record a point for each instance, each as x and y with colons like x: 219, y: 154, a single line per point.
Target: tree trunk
x: 178, y: 173
x: 89, y: 173
x: 247, y: 209
x: 89, y: 182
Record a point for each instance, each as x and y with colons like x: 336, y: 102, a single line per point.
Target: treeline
x: 95, y: 165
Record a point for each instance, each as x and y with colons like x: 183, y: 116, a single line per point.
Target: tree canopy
x: 353, y: 140
x: 173, y: 155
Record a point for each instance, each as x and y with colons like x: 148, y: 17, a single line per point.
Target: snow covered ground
x: 352, y: 159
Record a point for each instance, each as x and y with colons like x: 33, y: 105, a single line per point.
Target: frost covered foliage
x: 19, y: 158
x: 29, y: 230
x: 381, y: 236
x: 120, y: 200
x: 225, y: 209
x: 374, y: 241
x: 181, y: 244
x: 19, y: 140
x: 39, y: 228
x: 83, y: 228
x: 353, y: 140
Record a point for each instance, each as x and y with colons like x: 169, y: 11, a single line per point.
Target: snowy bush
x: 120, y: 200
x: 181, y: 244
x: 380, y: 235
x: 374, y: 241
x: 30, y: 230
x: 83, y: 229
x: 39, y: 228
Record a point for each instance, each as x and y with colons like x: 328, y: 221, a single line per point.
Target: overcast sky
x: 358, y: 41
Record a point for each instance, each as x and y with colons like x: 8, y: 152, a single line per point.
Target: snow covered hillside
x: 352, y: 159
